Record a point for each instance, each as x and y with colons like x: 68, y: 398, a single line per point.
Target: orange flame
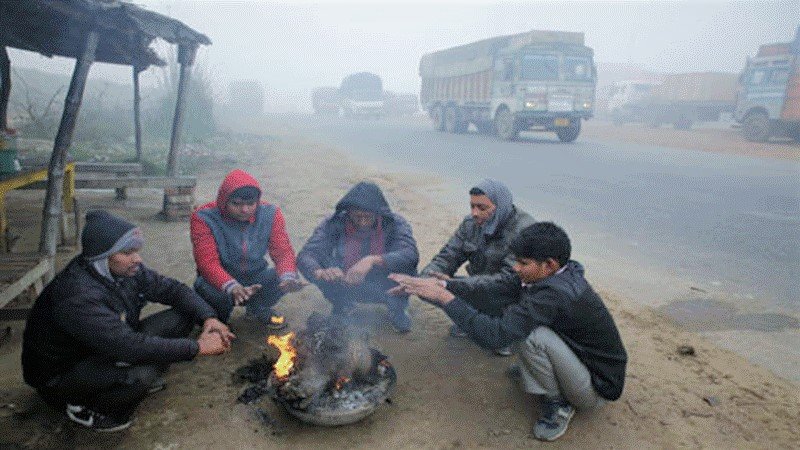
x: 285, y: 362
x: 341, y: 381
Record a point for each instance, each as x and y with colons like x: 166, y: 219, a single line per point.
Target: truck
x: 768, y: 101
x: 361, y: 95
x: 537, y: 80
x: 326, y: 101
x: 680, y: 99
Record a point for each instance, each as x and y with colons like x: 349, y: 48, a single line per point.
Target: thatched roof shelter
x: 108, y: 31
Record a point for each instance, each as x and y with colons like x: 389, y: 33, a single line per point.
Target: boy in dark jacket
x: 571, y: 353
x: 230, y: 239
x: 85, y: 347
x: 352, y: 252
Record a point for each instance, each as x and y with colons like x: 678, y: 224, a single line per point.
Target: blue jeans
x: 259, y: 305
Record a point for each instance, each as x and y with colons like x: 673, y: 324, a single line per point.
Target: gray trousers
x: 551, y: 368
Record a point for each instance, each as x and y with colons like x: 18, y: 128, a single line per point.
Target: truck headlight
x: 531, y: 104
x: 587, y: 105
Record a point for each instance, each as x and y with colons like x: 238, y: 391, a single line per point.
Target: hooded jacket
x: 324, y: 247
x: 82, y: 314
x: 488, y: 256
x: 226, y: 249
x: 564, y: 302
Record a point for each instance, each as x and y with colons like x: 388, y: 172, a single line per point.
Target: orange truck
x: 768, y: 102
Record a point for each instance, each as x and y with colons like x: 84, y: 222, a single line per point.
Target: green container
x: 8, y: 154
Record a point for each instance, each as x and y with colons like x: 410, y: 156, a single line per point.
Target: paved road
x: 727, y: 224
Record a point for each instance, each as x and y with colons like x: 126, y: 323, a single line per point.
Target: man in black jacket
x: 352, y: 252
x: 572, y: 352
x: 85, y: 347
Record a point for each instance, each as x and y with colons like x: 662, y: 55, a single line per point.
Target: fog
x: 292, y: 47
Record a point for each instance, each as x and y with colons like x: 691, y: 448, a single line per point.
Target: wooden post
x: 5, y: 87
x: 53, y: 207
x: 137, y: 121
x: 186, y: 54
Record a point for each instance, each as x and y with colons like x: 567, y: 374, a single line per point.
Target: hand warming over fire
x: 241, y: 294
x: 213, y: 325
x: 425, y: 288
x: 211, y: 343
x: 359, y: 271
x: 292, y: 285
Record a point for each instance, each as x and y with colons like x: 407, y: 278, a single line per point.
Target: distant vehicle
x: 397, y: 105
x: 769, y: 92
x: 680, y: 99
x: 541, y: 80
x: 361, y: 95
x: 326, y: 101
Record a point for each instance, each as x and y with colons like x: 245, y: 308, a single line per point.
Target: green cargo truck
x: 539, y: 80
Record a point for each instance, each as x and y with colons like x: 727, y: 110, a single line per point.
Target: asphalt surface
x: 656, y: 224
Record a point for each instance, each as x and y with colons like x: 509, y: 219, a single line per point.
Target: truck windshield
x: 539, y: 67
x: 577, y: 68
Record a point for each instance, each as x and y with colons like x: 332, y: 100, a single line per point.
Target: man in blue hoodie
x: 352, y: 252
x: 571, y: 352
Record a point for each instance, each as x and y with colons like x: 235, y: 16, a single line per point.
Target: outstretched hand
x: 211, y: 343
x: 426, y: 288
x: 241, y: 294
x: 331, y: 274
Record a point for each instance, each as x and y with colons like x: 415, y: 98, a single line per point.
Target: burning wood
x: 327, y: 374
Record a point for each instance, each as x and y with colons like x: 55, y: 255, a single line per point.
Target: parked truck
x: 769, y: 92
x: 398, y: 105
x: 361, y: 95
x: 680, y: 99
x: 540, y: 80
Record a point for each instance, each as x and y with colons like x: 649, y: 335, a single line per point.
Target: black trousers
x: 110, y: 388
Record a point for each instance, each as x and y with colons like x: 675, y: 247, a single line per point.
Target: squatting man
x: 571, y: 353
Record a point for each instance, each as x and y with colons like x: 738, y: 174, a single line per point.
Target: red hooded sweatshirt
x: 206, y: 252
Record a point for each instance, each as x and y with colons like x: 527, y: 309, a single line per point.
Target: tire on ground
x: 756, y: 127
x: 570, y: 133
x: 506, y: 125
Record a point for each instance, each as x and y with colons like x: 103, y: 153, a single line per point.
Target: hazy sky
x: 291, y: 47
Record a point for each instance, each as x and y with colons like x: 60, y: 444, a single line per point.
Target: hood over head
x: 236, y: 179
x: 501, y: 196
x: 366, y: 196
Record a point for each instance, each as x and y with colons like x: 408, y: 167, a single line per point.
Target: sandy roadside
x: 450, y: 393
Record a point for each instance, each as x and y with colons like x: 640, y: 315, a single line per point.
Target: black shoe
x: 96, y: 421
x: 457, y: 332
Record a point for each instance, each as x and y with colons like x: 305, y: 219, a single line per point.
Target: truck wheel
x: 570, y: 133
x: 453, y: 122
x: 437, y: 116
x: 756, y: 127
x: 505, y: 124
x: 683, y: 123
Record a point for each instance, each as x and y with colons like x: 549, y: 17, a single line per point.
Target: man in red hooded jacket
x: 231, y: 237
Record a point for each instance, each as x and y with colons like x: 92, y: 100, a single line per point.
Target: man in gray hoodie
x: 482, y: 242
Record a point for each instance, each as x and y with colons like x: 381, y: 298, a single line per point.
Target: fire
x: 278, y: 320
x: 285, y: 362
x: 341, y: 381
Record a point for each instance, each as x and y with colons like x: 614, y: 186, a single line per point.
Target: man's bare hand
x: 331, y: 274
x: 357, y: 273
x: 439, y: 276
x: 211, y: 343
x: 213, y: 325
x: 241, y: 294
x: 397, y: 291
x: 426, y: 288
x: 292, y: 285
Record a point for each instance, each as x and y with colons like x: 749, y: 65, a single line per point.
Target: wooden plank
x: 104, y: 182
x: 29, y: 279
x: 125, y: 168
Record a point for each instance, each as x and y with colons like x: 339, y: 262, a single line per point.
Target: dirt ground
x: 450, y: 393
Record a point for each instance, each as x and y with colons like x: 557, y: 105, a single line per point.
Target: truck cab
x: 762, y: 93
x: 361, y: 95
x: 627, y: 100
x: 543, y: 87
